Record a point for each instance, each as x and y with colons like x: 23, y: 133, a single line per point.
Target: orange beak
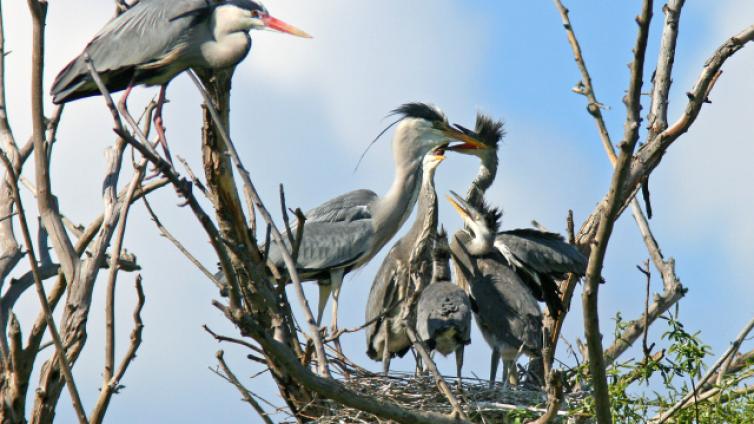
x: 280, y: 26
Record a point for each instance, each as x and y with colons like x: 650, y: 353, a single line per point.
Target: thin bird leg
x: 386, y: 346
x: 158, y: 124
x: 459, y: 364
x: 336, y: 279
x: 124, y: 98
x: 493, y: 366
x: 512, y: 373
x: 325, y: 287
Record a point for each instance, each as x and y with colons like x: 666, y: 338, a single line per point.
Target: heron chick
x: 505, y: 310
x: 540, y: 258
x: 443, y: 314
x: 394, y: 283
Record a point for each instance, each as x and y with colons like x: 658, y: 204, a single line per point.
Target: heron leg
x: 493, y: 366
x: 386, y: 346
x: 158, y: 124
x: 336, y: 279
x: 324, y: 295
x: 122, y: 104
x: 459, y: 364
x: 510, y: 373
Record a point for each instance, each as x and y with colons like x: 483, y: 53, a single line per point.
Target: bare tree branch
x: 46, y: 202
x: 327, y: 387
x: 113, y: 384
x: 63, y: 361
x: 228, y: 375
x: 113, y: 274
x: 251, y: 193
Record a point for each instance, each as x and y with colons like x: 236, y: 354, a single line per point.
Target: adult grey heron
x: 155, y: 40
x: 344, y: 233
x: 505, y: 310
x: 386, y: 336
x: 443, y: 314
x: 538, y: 257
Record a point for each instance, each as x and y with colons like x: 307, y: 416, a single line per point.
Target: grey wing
x: 542, y: 251
x: 144, y: 35
x: 505, y: 306
x: 328, y: 245
x: 443, y: 305
x: 382, y: 295
x: 350, y: 206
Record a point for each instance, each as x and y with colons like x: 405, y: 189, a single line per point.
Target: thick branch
x: 63, y: 361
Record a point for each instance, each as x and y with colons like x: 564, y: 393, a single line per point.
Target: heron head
x: 488, y: 131
x: 483, y: 222
x: 253, y: 15
x: 434, y: 158
x: 427, y: 127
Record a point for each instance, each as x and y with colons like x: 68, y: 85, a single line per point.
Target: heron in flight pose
x: 443, y: 314
x: 344, y: 233
x: 539, y: 257
x: 155, y: 40
x: 409, y: 257
x: 505, y: 309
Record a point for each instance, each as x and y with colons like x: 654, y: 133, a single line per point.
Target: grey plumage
x: 393, y: 284
x: 443, y: 313
x: 345, y: 232
x: 538, y: 257
x: 505, y: 310
x: 154, y: 40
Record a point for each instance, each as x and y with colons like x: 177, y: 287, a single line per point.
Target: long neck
x: 425, y: 225
x: 484, y: 179
x: 390, y: 212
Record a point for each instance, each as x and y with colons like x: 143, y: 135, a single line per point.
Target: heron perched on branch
x: 386, y: 336
x: 155, y: 40
x: 443, y: 314
x: 346, y: 232
x: 505, y: 310
x: 538, y: 257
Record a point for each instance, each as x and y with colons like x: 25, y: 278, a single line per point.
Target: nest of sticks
x: 480, y: 403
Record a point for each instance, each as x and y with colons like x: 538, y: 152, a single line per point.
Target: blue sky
x: 303, y: 110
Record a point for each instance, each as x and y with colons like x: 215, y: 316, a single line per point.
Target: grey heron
x: 155, y: 40
x: 386, y: 336
x: 539, y: 257
x: 345, y: 232
x: 505, y: 310
x: 443, y: 314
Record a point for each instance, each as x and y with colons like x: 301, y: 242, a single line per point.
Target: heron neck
x: 484, y: 179
x: 425, y: 225
x: 392, y: 210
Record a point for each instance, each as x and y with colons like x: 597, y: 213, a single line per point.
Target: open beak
x: 280, y: 26
x: 459, y: 205
x: 439, y: 153
x: 468, y: 138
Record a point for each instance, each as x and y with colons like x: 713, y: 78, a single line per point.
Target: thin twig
x: 113, y: 385
x: 243, y: 390
x: 181, y: 248
x: 112, y: 276
x: 735, y: 345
